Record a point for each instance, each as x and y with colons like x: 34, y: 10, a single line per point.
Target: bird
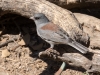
x: 54, y: 34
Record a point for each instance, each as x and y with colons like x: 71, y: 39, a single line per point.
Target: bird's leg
x: 51, y: 44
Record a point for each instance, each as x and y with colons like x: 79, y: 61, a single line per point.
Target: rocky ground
x: 19, y: 48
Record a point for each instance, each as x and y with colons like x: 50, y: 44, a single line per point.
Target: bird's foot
x: 50, y: 48
x: 49, y: 53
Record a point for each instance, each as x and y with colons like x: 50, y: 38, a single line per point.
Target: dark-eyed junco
x: 54, y: 34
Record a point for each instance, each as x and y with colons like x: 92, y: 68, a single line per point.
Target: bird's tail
x: 79, y: 47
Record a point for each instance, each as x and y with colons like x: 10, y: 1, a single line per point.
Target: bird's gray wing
x: 57, y: 36
x: 73, y: 43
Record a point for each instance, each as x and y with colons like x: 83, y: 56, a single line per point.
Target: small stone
x: 5, y: 53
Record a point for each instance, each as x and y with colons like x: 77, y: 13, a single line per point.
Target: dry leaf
x: 22, y: 42
x: 4, y: 40
x: 5, y: 53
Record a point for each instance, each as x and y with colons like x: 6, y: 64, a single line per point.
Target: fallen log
x: 71, y: 4
x: 91, y: 25
x: 74, y: 59
x: 56, y: 14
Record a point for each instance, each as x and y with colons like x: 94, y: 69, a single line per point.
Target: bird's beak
x: 32, y: 18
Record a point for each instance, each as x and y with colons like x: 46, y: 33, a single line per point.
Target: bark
x: 69, y: 4
x: 89, y: 62
x: 91, y: 26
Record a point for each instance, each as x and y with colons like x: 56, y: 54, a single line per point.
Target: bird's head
x: 39, y: 18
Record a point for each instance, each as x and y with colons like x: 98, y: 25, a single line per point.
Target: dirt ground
x: 20, y: 45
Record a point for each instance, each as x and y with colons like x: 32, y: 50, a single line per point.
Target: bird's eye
x: 36, y: 18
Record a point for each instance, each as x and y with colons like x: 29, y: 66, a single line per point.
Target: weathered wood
x: 69, y: 4
x: 56, y: 14
x: 74, y: 59
x: 91, y: 25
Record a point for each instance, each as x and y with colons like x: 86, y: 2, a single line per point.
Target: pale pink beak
x: 32, y: 18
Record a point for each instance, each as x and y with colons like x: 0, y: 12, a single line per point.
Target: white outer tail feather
x: 79, y: 47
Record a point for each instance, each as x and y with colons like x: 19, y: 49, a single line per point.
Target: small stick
x: 5, y: 43
x: 8, y: 41
x: 15, y: 47
x: 61, y: 69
